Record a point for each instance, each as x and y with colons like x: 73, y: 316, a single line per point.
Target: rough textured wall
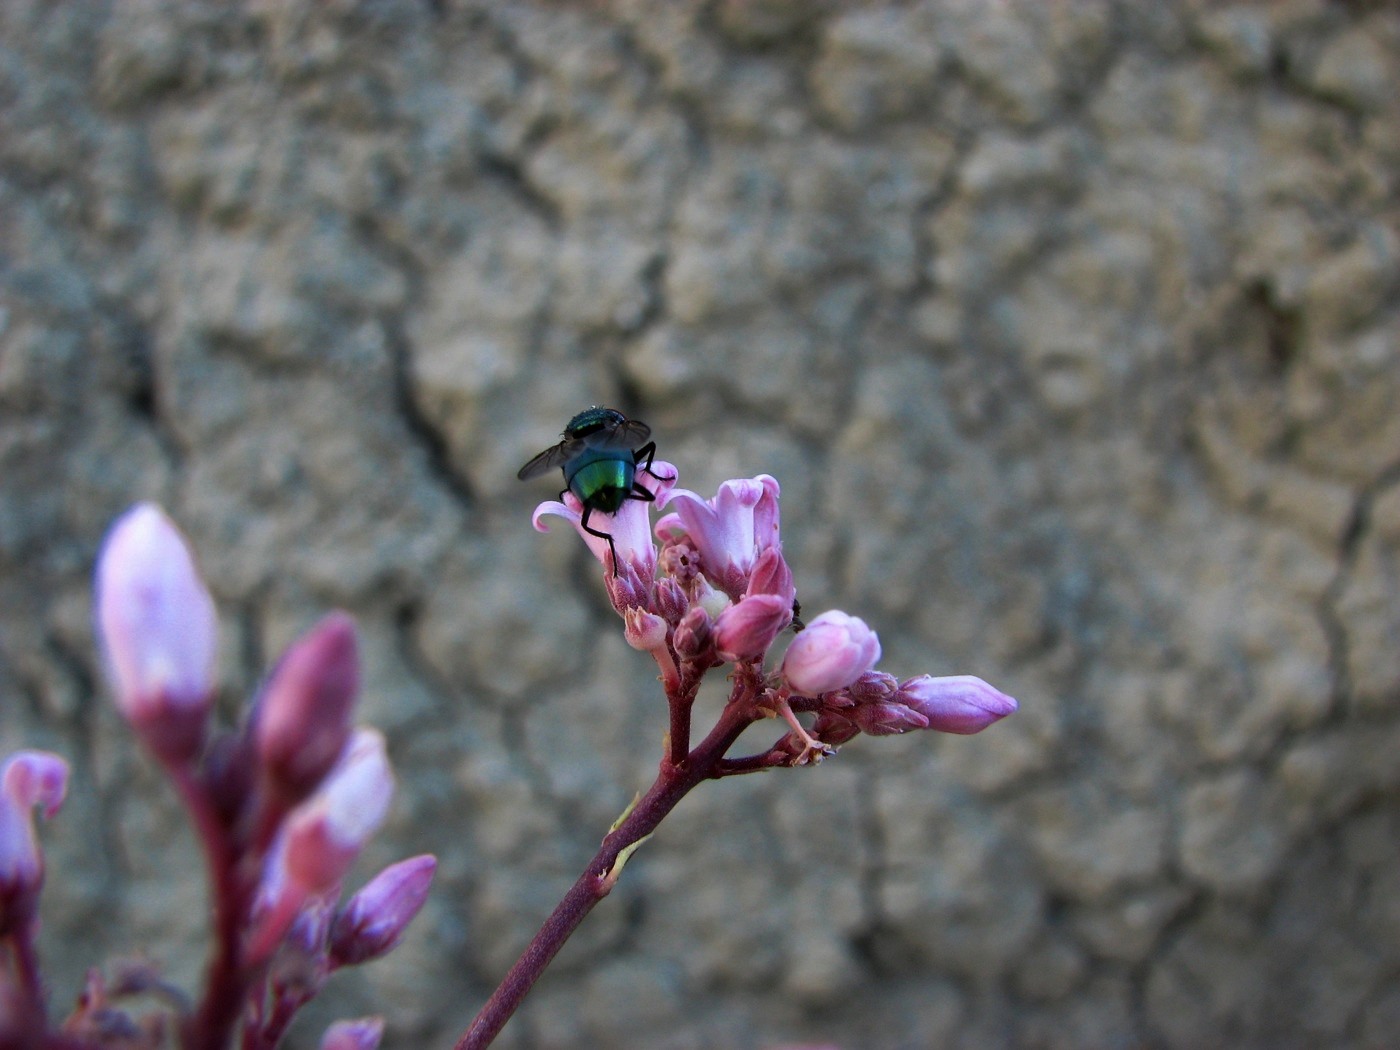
x: 1069, y: 328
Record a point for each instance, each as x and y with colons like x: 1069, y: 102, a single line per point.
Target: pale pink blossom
x: 730, y: 531
x: 630, y: 527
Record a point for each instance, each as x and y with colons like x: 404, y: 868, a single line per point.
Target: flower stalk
x: 724, y: 596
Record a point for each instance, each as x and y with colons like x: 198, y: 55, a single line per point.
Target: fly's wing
x: 550, y: 457
x: 628, y: 435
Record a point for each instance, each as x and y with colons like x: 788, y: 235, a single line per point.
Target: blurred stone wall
x: 1069, y: 328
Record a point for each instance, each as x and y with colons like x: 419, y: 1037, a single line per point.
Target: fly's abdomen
x: 601, y: 478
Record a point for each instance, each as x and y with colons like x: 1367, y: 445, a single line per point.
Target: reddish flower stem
x: 225, y: 981
x: 681, y: 702
x: 32, y: 1011
x: 672, y: 784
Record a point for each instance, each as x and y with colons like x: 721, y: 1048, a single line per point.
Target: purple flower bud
x: 27, y: 779
x: 158, y: 630
x: 747, y: 628
x: 308, y: 933
x: 831, y: 653
x: 645, y: 631
x: 374, y: 920
x: 693, y: 634
x: 303, y: 718
x: 957, y: 704
x: 361, y: 1034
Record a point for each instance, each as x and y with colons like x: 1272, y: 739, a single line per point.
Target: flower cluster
x: 282, y: 805
x: 723, y: 596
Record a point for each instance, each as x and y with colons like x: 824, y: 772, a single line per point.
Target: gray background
x: 1069, y: 328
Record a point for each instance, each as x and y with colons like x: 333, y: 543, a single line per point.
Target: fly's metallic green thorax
x: 600, y: 455
x: 593, y: 420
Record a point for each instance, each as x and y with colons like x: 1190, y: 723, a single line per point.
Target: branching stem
x: 672, y: 783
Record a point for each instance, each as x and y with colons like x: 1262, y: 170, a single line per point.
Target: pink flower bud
x: 374, y: 920
x: 873, y: 687
x: 831, y: 653
x: 957, y: 704
x: 771, y: 575
x: 834, y: 728
x: 318, y: 842
x: 884, y: 719
x: 671, y: 600
x: 325, y: 833
x: 27, y: 779
x: 158, y: 630
x: 693, y: 634
x: 361, y: 1034
x: 626, y: 590
x: 745, y: 630
x: 645, y: 631
x: 303, y: 718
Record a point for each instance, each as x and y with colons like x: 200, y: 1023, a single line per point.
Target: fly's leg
x: 583, y: 524
x: 648, y: 452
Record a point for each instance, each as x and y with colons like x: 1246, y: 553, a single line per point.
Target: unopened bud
x: 303, y: 718
x: 325, y: 833
x: 318, y: 842
x: 771, y: 575
x: 873, y: 687
x: 834, y: 729
x: 712, y: 601
x: 746, y: 629
x: 374, y: 920
x: 361, y: 1034
x: 885, y: 719
x: 671, y: 600
x: 693, y: 634
x: 831, y: 653
x: 960, y: 704
x: 27, y: 779
x: 158, y: 630
x: 626, y: 590
x: 643, y: 630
